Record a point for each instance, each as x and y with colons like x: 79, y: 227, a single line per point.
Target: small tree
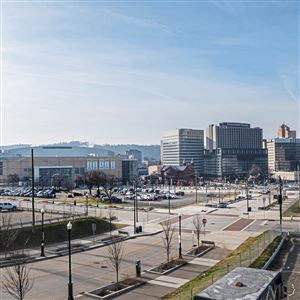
x: 89, y: 180
x: 109, y: 183
x: 8, y: 234
x: 17, y: 282
x: 197, y: 224
x: 168, y: 234
x: 116, y: 255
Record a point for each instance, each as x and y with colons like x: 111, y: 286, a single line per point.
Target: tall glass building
x: 233, y: 149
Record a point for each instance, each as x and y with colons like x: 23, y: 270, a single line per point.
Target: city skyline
x: 122, y: 73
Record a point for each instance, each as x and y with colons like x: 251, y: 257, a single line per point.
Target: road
x: 91, y: 268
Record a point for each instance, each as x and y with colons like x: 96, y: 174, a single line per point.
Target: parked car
x: 7, y: 206
x: 222, y: 205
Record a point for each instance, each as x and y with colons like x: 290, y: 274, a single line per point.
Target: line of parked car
x: 27, y: 192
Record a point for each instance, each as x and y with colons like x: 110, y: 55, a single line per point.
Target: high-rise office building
x: 232, y: 135
x: 283, y: 154
x: 183, y: 146
x: 284, y: 131
x: 232, y: 149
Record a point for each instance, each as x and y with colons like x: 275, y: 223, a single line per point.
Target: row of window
x: 101, y: 164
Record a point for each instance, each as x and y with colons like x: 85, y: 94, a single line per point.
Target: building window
x: 106, y: 164
x: 113, y: 164
x: 101, y: 164
x: 92, y: 164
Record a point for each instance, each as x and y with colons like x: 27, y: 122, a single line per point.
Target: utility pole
x: 247, y: 197
x: 32, y: 190
x: 134, y: 210
x: 136, y: 203
x: 280, y: 203
x: 196, y: 183
x: 298, y: 169
x: 169, y: 196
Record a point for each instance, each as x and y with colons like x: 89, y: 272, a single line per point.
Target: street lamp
x: 180, y: 248
x: 70, y: 285
x: 280, y: 203
x: 43, y: 234
x: 86, y: 204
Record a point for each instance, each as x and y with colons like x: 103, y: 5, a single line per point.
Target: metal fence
x: 244, y: 258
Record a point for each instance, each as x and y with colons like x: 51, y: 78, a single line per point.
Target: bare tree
x: 13, y: 179
x: 168, y: 234
x: 197, y: 224
x: 17, y: 282
x: 89, y: 179
x: 8, y: 234
x: 109, y: 183
x: 116, y: 255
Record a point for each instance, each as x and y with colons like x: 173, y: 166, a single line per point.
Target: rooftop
x: 240, y: 283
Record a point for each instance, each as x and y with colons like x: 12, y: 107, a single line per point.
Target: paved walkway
x: 157, y: 286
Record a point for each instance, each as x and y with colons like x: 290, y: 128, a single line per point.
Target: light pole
x: 70, y: 285
x: 196, y: 184
x: 180, y: 249
x: 169, y: 196
x: 86, y: 204
x: 247, y: 196
x: 43, y: 234
x: 280, y: 203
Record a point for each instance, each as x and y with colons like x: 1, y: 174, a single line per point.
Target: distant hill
x: 81, y: 148
x: 150, y: 151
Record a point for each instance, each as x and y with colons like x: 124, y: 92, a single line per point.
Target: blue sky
x: 124, y: 72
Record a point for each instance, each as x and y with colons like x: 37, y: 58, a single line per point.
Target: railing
x: 244, y: 258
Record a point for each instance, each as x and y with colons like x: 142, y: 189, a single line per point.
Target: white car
x: 7, y: 206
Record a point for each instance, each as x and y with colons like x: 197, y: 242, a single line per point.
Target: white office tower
x: 183, y: 146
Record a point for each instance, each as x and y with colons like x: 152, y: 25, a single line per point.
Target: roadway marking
x: 154, y: 220
x: 238, y: 225
x: 229, y: 224
x: 204, y: 262
x: 248, y: 225
x: 264, y: 223
x: 169, y: 281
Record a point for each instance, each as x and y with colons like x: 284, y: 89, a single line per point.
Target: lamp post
x: 196, y: 186
x: 169, y: 196
x: 43, y: 234
x: 180, y: 248
x: 247, y: 197
x: 280, y: 203
x: 86, y: 204
x: 70, y: 285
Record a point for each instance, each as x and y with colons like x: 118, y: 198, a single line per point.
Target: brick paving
x: 238, y: 225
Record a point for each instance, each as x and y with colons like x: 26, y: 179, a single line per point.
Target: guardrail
x: 269, y: 261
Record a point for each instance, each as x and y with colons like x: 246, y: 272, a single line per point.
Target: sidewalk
x: 156, y: 286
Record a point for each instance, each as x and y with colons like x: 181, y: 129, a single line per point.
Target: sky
x: 126, y: 71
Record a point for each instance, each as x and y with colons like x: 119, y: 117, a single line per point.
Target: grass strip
x: 57, y: 232
x: 267, y: 253
x: 209, y: 276
x: 294, y: 210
